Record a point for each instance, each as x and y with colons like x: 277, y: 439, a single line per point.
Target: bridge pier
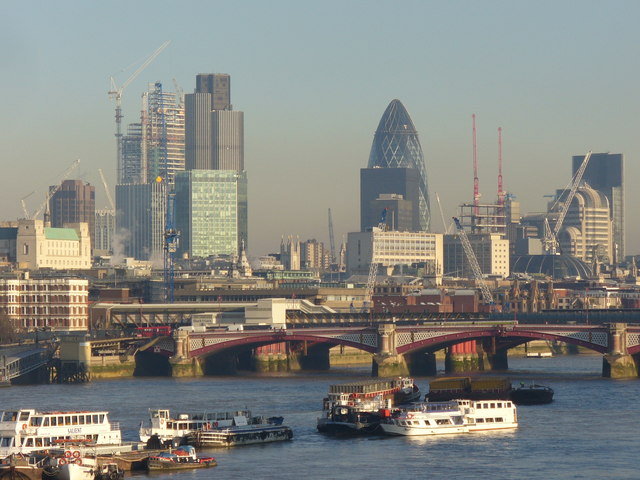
x: 386, y: 362
x: 462, y: 357
x: 617, y: 363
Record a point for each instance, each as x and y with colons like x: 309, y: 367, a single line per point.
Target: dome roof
x: 555, y: 266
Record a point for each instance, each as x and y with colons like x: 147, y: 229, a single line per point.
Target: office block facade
x: 491, y: 251
x: 140, y: 219
x: 211, y: 212
x: 74, y: 201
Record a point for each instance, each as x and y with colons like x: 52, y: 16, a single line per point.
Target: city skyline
x: 313, y: 100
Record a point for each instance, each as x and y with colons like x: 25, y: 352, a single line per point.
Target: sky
x: 559, y: 77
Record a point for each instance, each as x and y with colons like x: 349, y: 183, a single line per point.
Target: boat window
x: 45, y: 423
x: 169, y: 424
x: 499, y: 419
x: 508, y: 404
x: 24, y: 416
x: 426, y: 422
x: 499, y: 404
x: 5, y: 442
x: 60, y: 421
x: 46, y: 442
x: 493, y: 405
x: 443, y: 421
x: 28, y: 442
x: 74, y: 420
x: 11, y: 417
x: 35, y: 421
x: 38, y: 442
x: 479, y: 420
x: 94, y: 418
x: 54, y: 421
x: 489, y: 420
x: 485, y: 405
x: 101, y: 418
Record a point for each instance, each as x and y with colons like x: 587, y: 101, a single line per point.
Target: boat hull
x: 531, y: 396
x: 417, y: 431
x: 236, y: 436
x: 156, y: 465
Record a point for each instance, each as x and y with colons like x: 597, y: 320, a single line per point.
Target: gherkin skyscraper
x: 396, y: 166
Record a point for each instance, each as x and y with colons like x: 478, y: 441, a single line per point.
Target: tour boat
x: 481, y: 415
x: 170, y: 429
x: 436, y: 418
x: 182, y: 458
x: 356, y: 408
x: 28, y: 430
x: 239, y: 434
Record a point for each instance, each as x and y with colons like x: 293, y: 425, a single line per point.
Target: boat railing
x: 113, y: 426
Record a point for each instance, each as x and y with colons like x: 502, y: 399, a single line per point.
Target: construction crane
x: 332, y: 243
x: 487, y: 297
x: 24, y: 205
x: 373, y: 266
x: 106, y: 190
x: 550, y: 242
x: 116, y: 93
x: 179, y: 93
x: 54, y: 189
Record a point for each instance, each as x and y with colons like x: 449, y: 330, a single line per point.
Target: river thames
x: 588, y: 432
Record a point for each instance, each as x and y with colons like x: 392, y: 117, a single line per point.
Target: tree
x: 8, y: 332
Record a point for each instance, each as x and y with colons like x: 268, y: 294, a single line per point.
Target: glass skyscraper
x: 211, y: 211
x: 396, y: 146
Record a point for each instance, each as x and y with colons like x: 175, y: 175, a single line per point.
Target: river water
x: 588, y: 432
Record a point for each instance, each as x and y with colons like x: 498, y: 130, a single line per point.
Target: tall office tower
x: 140, y: 220
x: 605, y: 173
x: 218, y: 85
x: 211, y: 212
x: 396, y: 146
x: 165, y: 137
x: 132, y: 169
x: 214, y: 133
x: 73, y: 202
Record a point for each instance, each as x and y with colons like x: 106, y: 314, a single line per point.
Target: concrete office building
x: 105, y: 226
x: 491, y: 250
x: 140, y: 219
x: 605, y: 173
x: 396, y: 166
x: 211, y: 212
x: 390, y: 249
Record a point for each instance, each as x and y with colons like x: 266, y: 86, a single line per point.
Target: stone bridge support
x: 617, y: 363
x: 181, y: 364
x: 386, y: 361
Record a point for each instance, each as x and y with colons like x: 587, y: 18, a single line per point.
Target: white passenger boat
x: 436, y: 418
x: 28, y: 430
x: 481, y: 415
x: 175, y: 429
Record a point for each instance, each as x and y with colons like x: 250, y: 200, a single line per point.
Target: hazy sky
x: 313, y: 78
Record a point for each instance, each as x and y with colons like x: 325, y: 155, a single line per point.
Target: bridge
x: 400, y: 349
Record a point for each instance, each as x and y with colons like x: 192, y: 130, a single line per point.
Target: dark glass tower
x: 396, y: 146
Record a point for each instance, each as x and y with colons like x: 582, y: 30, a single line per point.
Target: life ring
x: 24, y: 426
x: 68, y: 454
x: 78, y: 461
x: 62, y: 461
x: 76, y: 454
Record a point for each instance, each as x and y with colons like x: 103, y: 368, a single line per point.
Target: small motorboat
x: 533, y: 394
x: 182, y: 458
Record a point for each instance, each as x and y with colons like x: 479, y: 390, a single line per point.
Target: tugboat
x: 533, y: 394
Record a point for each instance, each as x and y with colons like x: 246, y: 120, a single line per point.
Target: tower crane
x: 24, y: 205
x: 115, y: 93
x: 487, y: 297
x: 550, y: 241
x: 52, y: 191
x: 332, y: 242
x: 106, y: 190
x: 179, y: 93
x: 373, y: 266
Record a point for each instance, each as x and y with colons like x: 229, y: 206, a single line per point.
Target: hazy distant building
x: 491, y: 250
x: 74, y: 201
x: 104, y: 231
x: 290, y: 253
x: 390, y: 249
x: 132, y: 169
x: 140, y: 219
x: 314, y: 256
x: 218, y: 86
x: 605, y: 173
x: 211, y: 212
x: 395, y: 147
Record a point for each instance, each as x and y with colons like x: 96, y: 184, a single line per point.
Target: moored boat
x: 357, y: 408
x: 482, y: 415
x: 428, y: 418
x: 182, y: 458
x: 239, y: 435
x: 533, y: 394
x: 28, y: 430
